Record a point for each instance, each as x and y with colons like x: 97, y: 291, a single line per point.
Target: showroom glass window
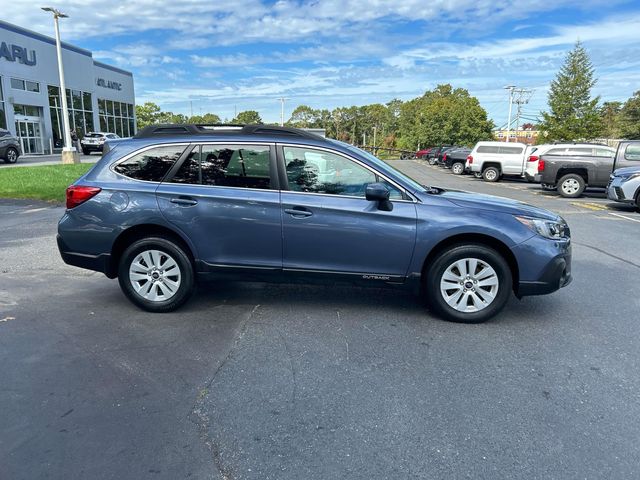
x: 3, y: 117
x: 26, y: 85
x: 152, y: 164
x: 317, y: 171
x: 80, y: 113
x: 240, y: 166
x: 116, y: 117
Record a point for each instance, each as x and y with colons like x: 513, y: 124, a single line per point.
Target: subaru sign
x: 101, y: 82
x: 13, y: 53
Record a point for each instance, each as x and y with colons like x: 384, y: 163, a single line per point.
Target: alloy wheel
x: 155, y: 275
x: 469, y: 285
x: 570, y: 186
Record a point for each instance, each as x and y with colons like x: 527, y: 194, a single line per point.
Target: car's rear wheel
x: 571, y: 186
x: 457, y: 168
x: 432, y: 161
x: 638, y: 201
x: 491, y: 174
x: 156, y: 274
x: 11, y: 155
x: 468, y: 283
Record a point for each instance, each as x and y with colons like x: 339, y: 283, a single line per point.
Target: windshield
x: 94, y: 135
x: 385, y: 167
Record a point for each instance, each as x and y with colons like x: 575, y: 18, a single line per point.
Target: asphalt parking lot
x: 253, y: 381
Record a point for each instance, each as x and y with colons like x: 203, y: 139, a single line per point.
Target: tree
x: 248, y: 117
x: 610, y: 113
x: 630, y: 118
x: 573, y: 114
x: 146, y: 114
x: 443, y: 116
x: 207, y: 118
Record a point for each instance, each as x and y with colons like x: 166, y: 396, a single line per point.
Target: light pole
x: 69, y: 153
x: 282, y: 100
x: 510, y: 88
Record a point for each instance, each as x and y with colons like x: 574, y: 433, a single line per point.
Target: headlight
x: 546, y: 228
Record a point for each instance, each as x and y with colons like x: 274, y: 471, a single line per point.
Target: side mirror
x: 378, y: 192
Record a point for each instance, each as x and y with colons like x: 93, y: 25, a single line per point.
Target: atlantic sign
x: 101, y: 82
x: 16, y: 53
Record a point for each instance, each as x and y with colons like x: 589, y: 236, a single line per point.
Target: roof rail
x: 178, y: 129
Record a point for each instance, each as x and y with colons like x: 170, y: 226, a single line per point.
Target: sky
x: 228, y: 56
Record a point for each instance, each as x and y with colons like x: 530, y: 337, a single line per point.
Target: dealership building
x: 100, y: 97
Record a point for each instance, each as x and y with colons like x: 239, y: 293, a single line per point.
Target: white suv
x: 94, y: 141
x: 492, y: 160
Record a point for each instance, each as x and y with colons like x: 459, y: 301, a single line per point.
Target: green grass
x: 47, y: 182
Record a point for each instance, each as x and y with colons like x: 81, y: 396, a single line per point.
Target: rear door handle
x: 298, y: 212
x: 188, y: 201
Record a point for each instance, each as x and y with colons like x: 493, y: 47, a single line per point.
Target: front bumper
x: 616, y: 192
x: 545, y: 266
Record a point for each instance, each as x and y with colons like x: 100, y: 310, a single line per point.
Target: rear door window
x: 240, y: 166
x: 150, y: 165
x: 603, y: 152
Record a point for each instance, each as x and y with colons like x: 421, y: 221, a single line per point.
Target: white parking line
x: 33, y: 210
x: 626, y: 218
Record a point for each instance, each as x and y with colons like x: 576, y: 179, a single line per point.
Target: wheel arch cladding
x: 496, y: 165
x: 581, y: 172
x: 138, y: 232
x: 479, y: 239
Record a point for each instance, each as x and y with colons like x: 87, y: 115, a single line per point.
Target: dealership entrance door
x: 29, y: 131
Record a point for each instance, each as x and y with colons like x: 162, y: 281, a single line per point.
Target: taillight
x: 533, y: 158
x: 470, y: 159
x: 78, y: 194
x: 444, y: 157
x: 540, y: 166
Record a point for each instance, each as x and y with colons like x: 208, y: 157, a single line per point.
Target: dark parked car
x: 572, y: 174
x: 9, y: 147
x: 456, y: 160
x: 434, y: 154
x: 181, y: 202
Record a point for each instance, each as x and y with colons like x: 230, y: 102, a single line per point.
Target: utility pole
x: 282, y: 100
x: 69, y: 153
x: 519, y: 96
x: 510, y: 88
x: 374, y: 139
x: 191, y: 105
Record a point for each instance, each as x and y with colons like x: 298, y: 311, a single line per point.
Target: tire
x: 457, y: 168
x: 571, y: 186
x: 151, y: 256
x: 11, y: 155
x: 86, y: 152
x: 432, y: 161
x: 461, y: 306
x: 638, y: 201
x: 491, y: 174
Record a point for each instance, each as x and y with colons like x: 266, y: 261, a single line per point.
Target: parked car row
x: 569, y: 168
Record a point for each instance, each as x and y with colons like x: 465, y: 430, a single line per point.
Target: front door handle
x: 298, y: 212
x: 188, y: 201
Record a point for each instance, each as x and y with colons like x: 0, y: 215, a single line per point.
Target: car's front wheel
x: 457, y: 168
x: 156, y: 274
x: 468, y: 283
x: 11, y: 156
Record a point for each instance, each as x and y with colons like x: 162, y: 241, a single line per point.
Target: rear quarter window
x: 511, y: 150
x: 151, y: 165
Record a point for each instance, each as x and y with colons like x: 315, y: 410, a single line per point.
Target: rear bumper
x: 531, y: 177
x: 97, y: 263
x: 91, y: 148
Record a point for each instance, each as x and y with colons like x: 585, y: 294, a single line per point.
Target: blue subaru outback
x: 181, y: 202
